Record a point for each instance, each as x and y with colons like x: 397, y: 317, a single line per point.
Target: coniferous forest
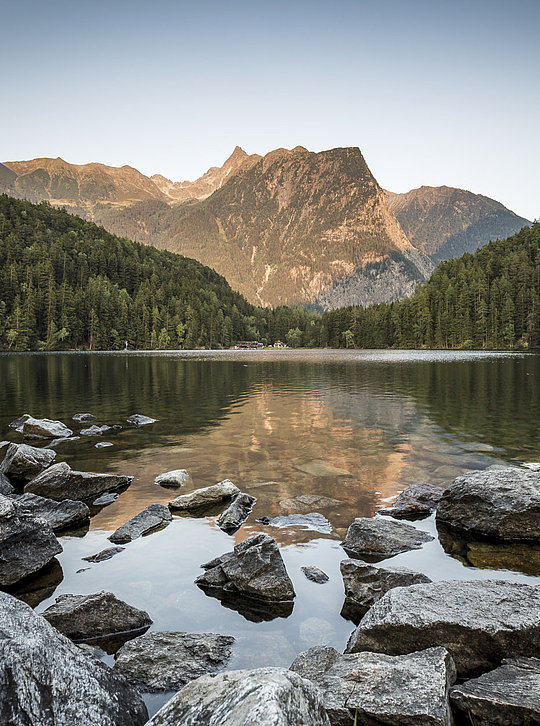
x: 68, y: 284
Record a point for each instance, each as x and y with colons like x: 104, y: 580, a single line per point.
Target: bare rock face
x: 88, y: 617
x: 503, y: 504
x: 480, y: 622
x: 264, y: 696
x: 507, y: 696
x: 59, y: 515
x: 139, y: 420
x: 154, y: 516
x: 26, y: 544
x: 60, y: 482
x: 172, y: 479
x: 376, y: 538
x: 382, y: 689
x: 236, y: 513
x: 415, y: 502
x: 44, y: 428
x: 22, y: 462
x: 45, y: 679
x: 166, y: 661
x: 205, y: 497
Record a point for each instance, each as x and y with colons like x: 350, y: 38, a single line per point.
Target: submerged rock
x: 503, y: 505
x: 26, y: 544
x: 105, y: 554
x: 315, y: 575
x: 22, y: 462
x: 139, y: 420
x: 154, y: 516
x: 315, y: 521
x: 45, y: 428
x: 508, y: 695
x: 264, y: 696
x: 95, y: 430
x: 105, y: 499
x: 89, y: 617
x: 6, y: 487
x: 59, y: 515
x: 236, y: 513
x: 62, y: 686
x: 376, y: 538
x: 206, y: 496
x: 166, y: 661
x: 83, y: 417
x: 305, y: 503
x: 415, y: 502
x: 172, y: 479
x: 60, y: 482
x: 480, y: 622
x: 381, y: 689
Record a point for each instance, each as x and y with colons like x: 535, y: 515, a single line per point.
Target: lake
x: 354, y: 427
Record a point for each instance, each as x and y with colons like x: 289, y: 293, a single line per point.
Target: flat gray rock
x: 260, y: 697
x: 415, y: 502
x: 376, y: 538
x: 22, y: 462
x: 480, y: 622
x: 503, y: 505
x: 205, y: 497
x: 6, y: 487
x: 62, y: 686
x: 44, y: 428
x: 105, y: 554
x: 89, y: 617
x: 59, y: 515
x: 154, y: 516
x: 27, y: 544
x: 172, y: 479
x: 314, y: 574
x: 166, y: 661
x: 508, y: 695
x: 104, y: 499
x: 95, y: 430
x: 382, y: 689
x: 60, y: 482
x: 83, y: 417
x: 313, y: 520
x: 139, y: 420
x: 236, y: 513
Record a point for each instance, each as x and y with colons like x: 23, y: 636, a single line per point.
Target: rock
x: 166, y: 661
x: 41, y: 586
x: 365, y: 584
x: 6, y: 487
x: 22, y: 462
x: 44, y: 428
x: 376, y: 538
x: 314, y: 574
x: 83, y: 417
x: 236, y: 513
x: 172, y: 479
x: 205, y: 497
x: 305, y: 503
x: 139, y: 420
x: 503, y: 505
x: 318, y: 467
x: 45, y: 679
x: 59, y: 515
x: 508, y: 695
x: 60, y: 482
x: 105, y: 499
x: 105, y: 554
x: 103, y: 444
x: 89, y: 617
x: 382, y: 689
x: 154, y: 516
x: 4, y: 443
x: 313, y: 520
x: 26, y: 544
x: 532, y: 466
x: 261, y: 697
x: 95, y: 430
x: 415, y: 502
x: 19, y: 422
x: 480, y: 622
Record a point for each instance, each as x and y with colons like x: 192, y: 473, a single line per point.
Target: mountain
x: 444, y: 222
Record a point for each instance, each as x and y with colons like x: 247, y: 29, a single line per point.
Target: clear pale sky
x: 438, y: 92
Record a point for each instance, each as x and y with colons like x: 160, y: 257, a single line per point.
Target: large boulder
x: 172, y: 479
x: 375, y: 538
x: 26, y: 544
x: 60, y: 482
x: 261, y: 697
x: 506, y: 696
x: 45, y: 679
x: 153, y: 517
x: 372, y: 688
x: 166, y: 661
x: 67, y: 514
x: 415, y: 502
x: 480, y: 622
x: 22, y: 462
x: 89, y: 617
x: 44, y: 428
x: 205, y: 497
x: 365, y: 584
x: 236, y: 513
x: 503, y: 505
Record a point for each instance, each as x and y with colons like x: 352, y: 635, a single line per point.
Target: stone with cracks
x: 166, y: 661
x: 503, y: 505
x: 382, y: 689
x: 27, y: 544
x: 480, y: 622
x: 60, y: 482
x: 236, y: 513
x: 45, y: 679
x: 22, y: 462
x: 314, y: 574
x: 506, y: 696
x: 83, y: 417
x: 376, y: 538
x: 89, y: 617
x: 260, y: 697
x: 139, y: 420
x: 45, y: 428
x: 154, y: 516
x: 172, y: 479
x: 206, y: 496
x: 59, y: 515
x: 415, y: 502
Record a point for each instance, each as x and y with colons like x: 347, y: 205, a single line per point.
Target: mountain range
x: 292, y: 226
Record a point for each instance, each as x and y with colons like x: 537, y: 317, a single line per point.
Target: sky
x: 438, y: 92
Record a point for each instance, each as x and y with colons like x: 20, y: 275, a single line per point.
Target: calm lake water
x: 353, y: 426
